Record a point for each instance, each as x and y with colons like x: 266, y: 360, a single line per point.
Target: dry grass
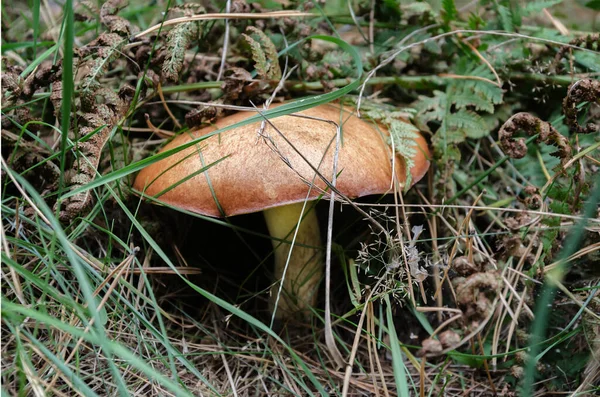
x: 447, y: 289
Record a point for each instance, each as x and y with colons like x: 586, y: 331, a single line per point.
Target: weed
x: 480, y: 280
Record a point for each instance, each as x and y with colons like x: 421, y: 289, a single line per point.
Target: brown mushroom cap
x: 258, y: 174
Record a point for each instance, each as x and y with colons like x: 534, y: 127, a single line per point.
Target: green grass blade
x: 31, y: 67
x: 60, y: 365
x: 288, y: 108
x: 543, y: 305
x: 400, y: 371
x: 67, y: 87
x: 36, y: 23
x: 11, y: 309
x: 84, y: 283
x: 220, y: 302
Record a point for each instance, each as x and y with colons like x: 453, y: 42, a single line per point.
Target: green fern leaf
x: 402, y: 139
x: 535, y: 7
x: 468, y: 123
x: 456, y: 109
x: 431, y: 108
x: 413, y: 9
x: 506, y: 18
x: 486, y: 90
x: 464, y: 98
x: 482, y: 94
x: 450, y: 12
x: 402, y: 134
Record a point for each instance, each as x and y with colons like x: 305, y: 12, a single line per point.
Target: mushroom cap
x: 264, y: 171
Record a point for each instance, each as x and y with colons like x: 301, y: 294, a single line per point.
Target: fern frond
x: 402, y: 133
x: 402, y: 139
x: 339, y: 63
x: 109, y: 49
x: 457, y: 109
x: 450, y: 12
x: 431, y: 108
x: 479, y: 94
x: 264, y: 54
x: 178, y: 41
x: 467, y: 123
x: 259, y: 57
x: 374, y: 113
x: 506, y: 18
x: 489, y: 92
x: 462, y: 98
x: 415, y: 9
x: 537, y: 6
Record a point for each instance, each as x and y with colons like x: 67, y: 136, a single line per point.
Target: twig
x: 207, y: 17
x: 162, y: 100
x: 447, y: 34
x: 329, y: 340
x: 160, y: 132
x: 225, y: 42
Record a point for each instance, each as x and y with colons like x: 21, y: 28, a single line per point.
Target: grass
x: 116, y: 299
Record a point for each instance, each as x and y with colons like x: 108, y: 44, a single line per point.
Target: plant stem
x: 408, y: 82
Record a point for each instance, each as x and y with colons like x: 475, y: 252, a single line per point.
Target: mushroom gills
x: 305, y: 267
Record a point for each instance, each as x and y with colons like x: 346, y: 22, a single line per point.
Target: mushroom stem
x: 305, y: 268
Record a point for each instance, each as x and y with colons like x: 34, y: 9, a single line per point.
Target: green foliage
x: 400, y: 371
x: 402, y: 134
x: 475, y: 21
x: 537, y: 6
x: 422, y: 11
x: 430, y: 108
x: 549, y: 236
x: 467, y: 123
x: 506, y: 19
x: 588, y: 60
x: 338, y: 63
x: 58, y: 280
x: 456, y: 109
x: 415, y: 8
x: 264, y: 54
x: 510, y: 14
x: 450, y: 12
x: 593, y: 4
x: 67, y: 88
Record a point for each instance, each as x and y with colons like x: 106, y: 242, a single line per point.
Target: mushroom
x: 258, y: 170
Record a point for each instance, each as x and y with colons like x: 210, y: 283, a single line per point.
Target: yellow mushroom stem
x: 305, y: 267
